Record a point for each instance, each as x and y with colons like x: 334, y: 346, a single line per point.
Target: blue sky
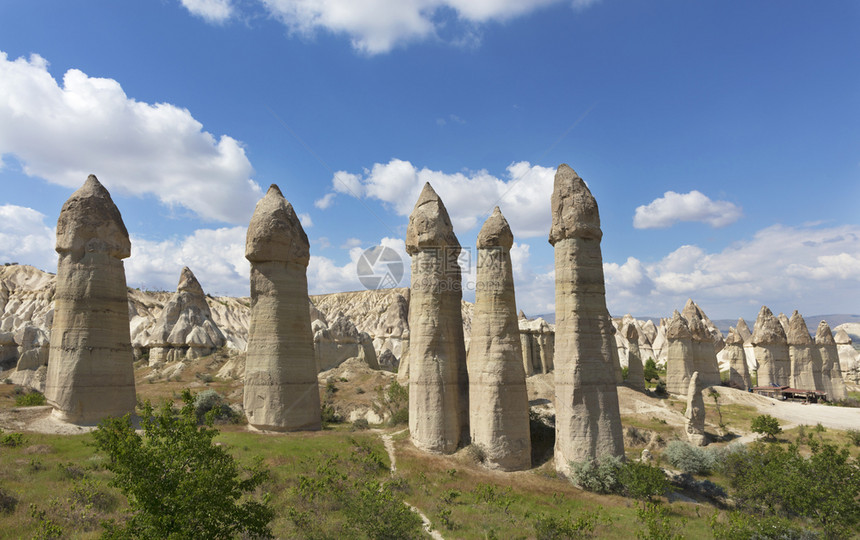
x: 721, y: 139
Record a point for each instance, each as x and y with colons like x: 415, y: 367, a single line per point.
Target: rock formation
x: 733, y: 353
x: 694, y: 423
x: 339, y: 341
x: 185, y: 328
x: 588, y: 421
x: 771, y: 350
x: 831, y: 373
x: 704, y: 359
x: 281, y: 390
x: 438, y: 380
x: 537, y: 339
x: 744, y: 332
x: 849, y: 359
x: 498, y: 400
x: 635, y: 370
x: 90, y: 373
x: 805, y: 365
x: 679, y: 356
x: 783, y: 321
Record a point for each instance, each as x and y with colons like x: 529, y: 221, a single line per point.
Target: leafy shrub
x: 767, y: 425
x: 392, y: 402
x: 178, y: 483
x: 691, y: 459
x: 211, y: 403
x: 854, y: 436
x: 654, y: 518
x: 599, y: 476
x: 660, y: 389
x: 8, y: 501
x: 360, y: 424
x: 642, y: 480
x: 31, y: 399
x: 11, y: 440
x: 548, y: 527
x: 737, y: 525
x: 625, y: 371
x: 650, y: 369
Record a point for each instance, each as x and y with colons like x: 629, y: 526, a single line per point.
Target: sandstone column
x: 694, y: 416
x: 679, y: 355
x: 771, y: 350
x: 498, y: 400
x: 281, y: 390
x: 704, y: 355
x: 831, y: 373
x: 588, y: 421
x: 743, y: 330
x: 804, y: 364
x: 635, y: 370
x: 90, y: 373
x: 438, y: 380
x: 739, y: 376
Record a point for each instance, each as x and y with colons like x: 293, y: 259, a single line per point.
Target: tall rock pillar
x: 281, y: 390
x: 679, y: 355
x: 805, y: 365
x: 739, y: 376
x: 694, y: 416
x: 831, y: 373
x: 771, y: 350
x: 635, y: 370
x: 90, y: 373
x: 438, y: 380
x: 588, y: 421
x: 498, y: 400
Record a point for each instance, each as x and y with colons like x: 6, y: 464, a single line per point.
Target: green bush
x: 31, y: 399
x: 691, y: 459
x: 211, y: 403
x: 8, y: 502
x: 737, y: 525
x: 178, y: 483
x: 854, y: 436
x: 660, y: 388
x: 392, y: 402
x: 599, y: 476
x: 650, y: 369
x: 767, y: 425
x: 548, y: 527
x: 642, y: 481
x: 656, y: 524
x: 11, y: 440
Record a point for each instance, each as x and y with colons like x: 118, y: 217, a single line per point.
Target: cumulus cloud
x: 89, y: 125
x: 693, y: 206
x: 212, y: 11
x: 325, y: 202
x: 305, y: 220
x: 25, y: 238
x: 325, y: 275
x: 377, y: 26
x: 523, y: 194
x: 814, y: 269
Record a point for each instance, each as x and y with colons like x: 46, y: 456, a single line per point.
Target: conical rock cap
x: 496, y: 232
x: 429, y: 224
x: 768, y: 330
x: 574, y: 210
x: 798, y: 333
x: 275, y: 232
x: 90, y: 221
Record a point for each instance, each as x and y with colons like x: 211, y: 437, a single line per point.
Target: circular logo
x: 379, y: 267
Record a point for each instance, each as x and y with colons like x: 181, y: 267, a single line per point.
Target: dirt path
x: 793, y: 413
x: 388, y: 442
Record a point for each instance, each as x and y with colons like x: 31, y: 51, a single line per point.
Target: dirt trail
x: 388, y: 441
x: 795, y: 413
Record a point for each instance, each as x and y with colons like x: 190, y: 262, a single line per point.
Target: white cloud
x: 535, y: 287
x: 377, y: 26
x: 813, y: 269
x: 325, y: 202
x: 693, y: 206
x: 351, y: 243
x: 89, y: 125
x: 325, y: 276
x: 212, y: 11
x: 306, y: 221
x: 523, y: 196
x: 25, y: 239
x: 216, y: 256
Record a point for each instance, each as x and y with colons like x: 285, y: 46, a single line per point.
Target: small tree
x: 650, y: 369
x: 179, y: 484
x: 767, y: 425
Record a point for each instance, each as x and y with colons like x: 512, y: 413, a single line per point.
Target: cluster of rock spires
x: 466, y: 365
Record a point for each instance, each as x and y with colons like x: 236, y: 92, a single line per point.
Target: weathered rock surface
x: 635, y: 370
x: 733, y: 353
x: 185, y: 328
x: 498, y: 399
x: 281, y: 391
x: 339, y: 341
x: 694, y: 416
x: 90, y: 374
x: 805, y: 365
x: 744, y: 332
x: 588, y: 421
x: 537, y: 339
x: 704, y: 359
x: 438, y: 379
x: 771, y: 350
x: 679, y: 357
x: 831, y: 370
x: 849, y: 357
